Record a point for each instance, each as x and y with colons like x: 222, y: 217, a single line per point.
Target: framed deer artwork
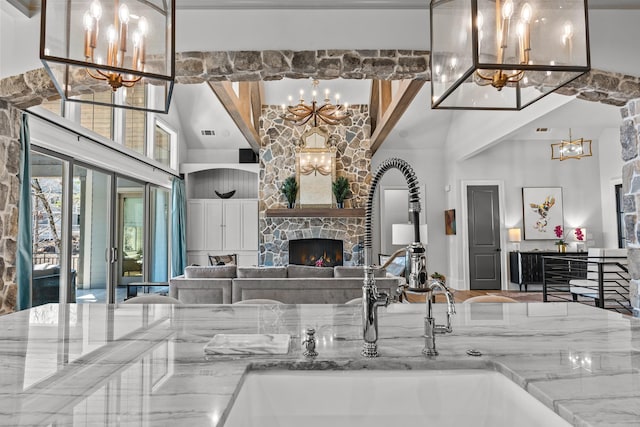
x: 542, y: 212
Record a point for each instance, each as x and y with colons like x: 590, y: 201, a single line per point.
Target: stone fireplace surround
x: 33, y: 87
x: 277, y: 162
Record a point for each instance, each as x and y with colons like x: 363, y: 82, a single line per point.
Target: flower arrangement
x: 560, y: 235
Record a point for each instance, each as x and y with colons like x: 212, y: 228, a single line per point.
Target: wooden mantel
x: 315, y: 212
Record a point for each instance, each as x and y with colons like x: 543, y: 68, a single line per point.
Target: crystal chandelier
x: 87, y: 46
x: 571, y: 149
x: 328, y: 113
x: 505, y: 54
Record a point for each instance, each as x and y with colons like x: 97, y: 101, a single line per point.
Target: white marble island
x: 145, y: 365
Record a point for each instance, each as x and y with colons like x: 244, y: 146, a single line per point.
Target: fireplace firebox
x: 318, y: 252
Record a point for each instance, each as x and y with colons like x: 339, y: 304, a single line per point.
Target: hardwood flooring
x: 460, y: 296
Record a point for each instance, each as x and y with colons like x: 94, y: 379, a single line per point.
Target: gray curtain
x: 25, y: 245
x: 178, y: 227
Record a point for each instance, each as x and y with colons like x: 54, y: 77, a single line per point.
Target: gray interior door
x: 484, y: 237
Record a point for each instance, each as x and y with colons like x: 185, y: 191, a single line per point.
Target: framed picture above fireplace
x: 315, y: 169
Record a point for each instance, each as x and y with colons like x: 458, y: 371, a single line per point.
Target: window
x: 135, y: 120
x: 162, y: 140
x: 54, y: 106
x: 622, y: 232
x: 97, y: 118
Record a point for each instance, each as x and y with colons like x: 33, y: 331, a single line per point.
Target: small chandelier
x: 505, y: 54
x: 571, y: 149
x: 328, y: 113
x: 87, y: 47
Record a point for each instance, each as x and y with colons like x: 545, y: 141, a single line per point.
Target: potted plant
x: 560, y: 243
x: 341, y: 190
x: 290, y: 190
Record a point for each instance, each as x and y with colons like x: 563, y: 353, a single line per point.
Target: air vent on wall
x: 208, y: 132
x: 542, y: 130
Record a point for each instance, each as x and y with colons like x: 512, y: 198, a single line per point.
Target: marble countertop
x: 146, y: 365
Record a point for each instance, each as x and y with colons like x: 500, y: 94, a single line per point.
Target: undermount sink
x: 372, y: 398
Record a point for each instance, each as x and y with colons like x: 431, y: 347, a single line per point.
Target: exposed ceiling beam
x: 390, y: 108
x: 239, y: 108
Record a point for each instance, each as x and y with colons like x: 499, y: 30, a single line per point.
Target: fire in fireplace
x: 318, y: 252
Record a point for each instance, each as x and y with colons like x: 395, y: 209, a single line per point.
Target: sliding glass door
x: 90, y: 230
x: 95, y: 233
x: 47, y: 201
x: 130, y: 231
x: 158, y: 260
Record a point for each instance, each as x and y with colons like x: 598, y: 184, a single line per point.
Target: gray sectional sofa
x: 293, y: 284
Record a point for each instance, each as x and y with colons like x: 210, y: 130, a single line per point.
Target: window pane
x: 130, y: 242
x: 162, y: 146
x: 54, y: 106
x: 46, y: 192
x: 134, y: 120
x: 90, y: 233
x: 97, y: 118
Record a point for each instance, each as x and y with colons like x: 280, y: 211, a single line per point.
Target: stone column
x: 631, y: 192
x: 9, y: 166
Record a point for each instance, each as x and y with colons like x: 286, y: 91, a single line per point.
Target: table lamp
x: 515, y: 236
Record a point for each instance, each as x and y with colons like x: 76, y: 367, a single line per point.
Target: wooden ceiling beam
x: 239, y: 109
x: 257, y: 95
x: 399, y: 102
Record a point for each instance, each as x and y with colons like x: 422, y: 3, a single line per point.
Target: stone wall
x: 631, y: 191
x: 277, y: 162
x: 9, y: 166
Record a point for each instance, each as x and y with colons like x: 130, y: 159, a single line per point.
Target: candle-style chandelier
x: 116, y: 44
x: 328, y: 113
x: 87, y: 46
x: 505, y: 54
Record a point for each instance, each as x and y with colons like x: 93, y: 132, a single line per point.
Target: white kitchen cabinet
x: 221, y: 227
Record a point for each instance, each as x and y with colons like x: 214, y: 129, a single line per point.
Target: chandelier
x: 571, y: 149
x: 505, y: 54
x: 92, y: 46
x: 328, y: 113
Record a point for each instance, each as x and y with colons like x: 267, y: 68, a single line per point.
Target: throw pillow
x: 211, y: 272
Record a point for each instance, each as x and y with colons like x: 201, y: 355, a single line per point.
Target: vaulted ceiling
x: 305, y: 24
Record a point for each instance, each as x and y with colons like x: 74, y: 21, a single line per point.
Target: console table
x: 526, y: 267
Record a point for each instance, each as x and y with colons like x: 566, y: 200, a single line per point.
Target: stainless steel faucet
x: 430, y: 327
x: 416, y: 252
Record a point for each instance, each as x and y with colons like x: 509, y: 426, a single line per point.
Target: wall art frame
x: 541, y: 212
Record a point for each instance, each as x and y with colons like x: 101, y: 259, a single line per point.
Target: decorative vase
x: 291, y: 205
x: 340, y: 205
x: 562, y: 248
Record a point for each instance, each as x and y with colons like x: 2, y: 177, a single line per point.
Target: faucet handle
x: 309, y: 343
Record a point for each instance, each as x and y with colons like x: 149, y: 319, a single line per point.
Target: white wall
x: 608, y: 150
x: 429, y: 167
x: 520, y: 164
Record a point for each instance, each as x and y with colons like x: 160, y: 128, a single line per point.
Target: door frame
x: 462, y: 225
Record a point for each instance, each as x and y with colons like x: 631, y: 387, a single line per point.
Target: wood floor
x: 460, y: 296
